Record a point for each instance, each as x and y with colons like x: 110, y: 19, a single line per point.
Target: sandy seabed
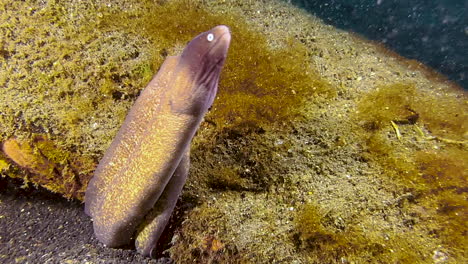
x: 317, y: 160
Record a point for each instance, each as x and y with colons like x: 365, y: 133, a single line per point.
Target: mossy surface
x: 298, y: 160
x: 49, y: 166
x: 323, y: 241
x: 444, y: 115
x: 429, y: 158
x: 259, y: 86
x: 89, y: 68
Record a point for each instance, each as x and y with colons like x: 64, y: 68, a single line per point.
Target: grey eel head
x: 204, y: 56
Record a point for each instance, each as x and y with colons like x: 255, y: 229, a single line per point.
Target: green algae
x: 4, y: 164
x: 50, y: 166
x: 259, y: 86
x: 93, y: 67
x: 322, y: 241
x: 206, y: 247
x: 444, y: 115
x: 433, y: 169
x: 390, y: 103
x: 226, y: 178
x: 89, y: 67
x: 73, y: 73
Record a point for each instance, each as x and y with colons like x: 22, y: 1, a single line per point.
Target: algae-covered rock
x: 321, y: 147
x: 23, y: 155
x: 49, y: 166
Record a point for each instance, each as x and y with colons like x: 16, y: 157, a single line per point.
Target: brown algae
x: 290, y: 165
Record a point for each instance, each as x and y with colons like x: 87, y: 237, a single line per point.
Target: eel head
x: 199, y: 68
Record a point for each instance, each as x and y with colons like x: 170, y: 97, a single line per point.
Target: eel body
x: 136, y: 184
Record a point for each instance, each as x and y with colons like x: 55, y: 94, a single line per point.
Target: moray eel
x: 136, y: 184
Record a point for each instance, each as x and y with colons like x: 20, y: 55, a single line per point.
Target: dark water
x: 434, y: 32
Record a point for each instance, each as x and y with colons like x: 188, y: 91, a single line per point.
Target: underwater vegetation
x: 431, y: 171
x: 403, y: 104
x: 67, y: 91
x: 260, y: 86
x: 323, y: 242
x: 48, y: 164
x: 430, y: 165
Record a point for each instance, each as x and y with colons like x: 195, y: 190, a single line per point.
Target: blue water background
x: 430, y: 31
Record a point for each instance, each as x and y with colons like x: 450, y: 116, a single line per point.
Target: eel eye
x: 210, y: 37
